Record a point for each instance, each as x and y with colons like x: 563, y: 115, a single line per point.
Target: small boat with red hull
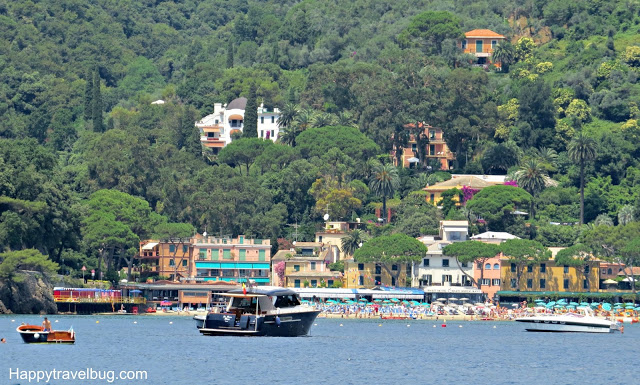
x: 34, y: 334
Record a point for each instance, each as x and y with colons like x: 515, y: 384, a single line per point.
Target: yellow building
x: 368, y: 275
x: 332, y: 234
x: 476, y: 182
x: 547, y: 276
x: 305, y: 266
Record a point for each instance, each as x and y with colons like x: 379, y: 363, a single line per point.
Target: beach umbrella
x: 571, y: 307
x: 573, y: 303
x: 629, y: 304
x: 558, y: 306
x: 377, y: 300
x: 441, y: 299
x: 464, y: 299
x: 618, y: 307
x: 362, y: 300
x: 629, y: 307
x: 395, y: 300
x: 584, y: 303
x: 637, y: 308
x: 617, y: 304
x: 551, y: 303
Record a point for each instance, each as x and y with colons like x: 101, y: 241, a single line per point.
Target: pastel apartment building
x: 216, y: 129
x: 436, y: 148
x: 232, y: 260
x: 481, y: 43
x: 208, y: 259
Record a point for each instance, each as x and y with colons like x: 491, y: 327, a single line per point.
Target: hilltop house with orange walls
x: 436, y: 148
x: 481, y: 43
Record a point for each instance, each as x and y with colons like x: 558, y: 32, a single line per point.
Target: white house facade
x: 439, y: 270
x: 216, y: 129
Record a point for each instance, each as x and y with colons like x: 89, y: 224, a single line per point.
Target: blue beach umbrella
x: 629, y: 307
x: 573, y: 303
x: 571, y: 307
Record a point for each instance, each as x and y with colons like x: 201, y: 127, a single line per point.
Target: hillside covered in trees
x: 88, y: 166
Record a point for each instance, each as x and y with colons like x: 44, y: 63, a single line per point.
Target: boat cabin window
x: 247, y: 304
x: 286, y: 301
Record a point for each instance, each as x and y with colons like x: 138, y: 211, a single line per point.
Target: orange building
x: 481, y: 43
x: 171, y: 260
x: 435, y: 148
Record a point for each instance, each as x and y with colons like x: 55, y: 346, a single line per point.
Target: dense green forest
x: 88, y: 166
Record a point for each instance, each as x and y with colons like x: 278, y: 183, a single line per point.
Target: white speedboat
x: 569, y: 322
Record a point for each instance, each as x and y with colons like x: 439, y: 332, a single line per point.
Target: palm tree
x: 505, y: 54
x: 304, y: 119
x: 353, y: 241
x: 582, y: 149
x: 287, y: 135
x: 532, y: 177
x: 384, y: 183
x: 626, y: 214
x: 288, y: 114
x: 345, y: 118
x: 603, y: 220
x: 322, y: 120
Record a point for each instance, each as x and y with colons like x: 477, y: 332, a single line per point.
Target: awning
x: 458, y: 229
x: 150, y: 246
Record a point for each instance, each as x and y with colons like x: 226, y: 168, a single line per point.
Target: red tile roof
x: 483, y: 33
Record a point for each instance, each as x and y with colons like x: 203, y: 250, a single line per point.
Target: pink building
x: 490, y: 282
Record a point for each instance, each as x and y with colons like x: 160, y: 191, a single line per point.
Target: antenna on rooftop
x: 295, y: 231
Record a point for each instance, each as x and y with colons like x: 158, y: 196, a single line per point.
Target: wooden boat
x: 34, y: 334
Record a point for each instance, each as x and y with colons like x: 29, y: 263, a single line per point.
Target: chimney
x: 217, y: 107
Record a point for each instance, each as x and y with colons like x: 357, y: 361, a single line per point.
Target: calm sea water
x: 337, y: 351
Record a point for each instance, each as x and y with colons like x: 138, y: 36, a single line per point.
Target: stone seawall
x: 28, y: 292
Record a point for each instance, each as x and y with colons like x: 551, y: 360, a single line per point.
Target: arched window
x: 496, y: 266
x: 609, y: 271
x: 487, y: 266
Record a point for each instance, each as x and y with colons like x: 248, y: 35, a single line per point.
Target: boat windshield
x: 286, y: 301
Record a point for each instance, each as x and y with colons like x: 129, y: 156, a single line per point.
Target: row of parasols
x: 563, y: 304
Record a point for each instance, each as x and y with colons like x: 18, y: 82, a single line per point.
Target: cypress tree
x: 250, y: 129
x: 98, y: 125
x: 190, y: 133
x: 88, y: 97
x: 230, y: 54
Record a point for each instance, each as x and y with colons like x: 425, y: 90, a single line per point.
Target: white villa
x: 216, y: 129
x: 438, y: 270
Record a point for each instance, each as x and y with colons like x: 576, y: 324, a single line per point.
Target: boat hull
x: 32, y: 334
x: 282, y: 325
x: 566, y: 326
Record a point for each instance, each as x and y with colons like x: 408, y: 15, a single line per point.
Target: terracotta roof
x: 635, y: 270
x: 483, y: 33
x: 469, y: 181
